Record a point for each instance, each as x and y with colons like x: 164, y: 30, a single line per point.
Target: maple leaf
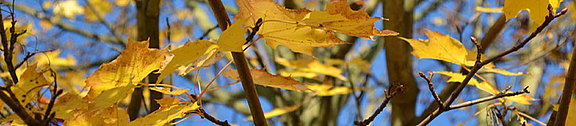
x: 129, y: 68
x: 67, y: 8
x: 31, y: 82
x: 278, y: 111
x: 302, y: 29
x: 162, y: 116
x: 166, y: 102
x: 185, y: 56
x: 503, y: 72
x: 109, y: 116
x: 168, y: 91
x: 329, y: 89
x: 232, y: 39
x: 312, y: 66
x: 66, y: 104
x: 264, y: 78
x: 52, y: 58
x: 538, y: 9
x: 442, y: 47
x: 110, y: 97
x: 485, y: 86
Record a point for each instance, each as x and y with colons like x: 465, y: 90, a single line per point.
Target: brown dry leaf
x: 264, y: 78
x: 129, y: 68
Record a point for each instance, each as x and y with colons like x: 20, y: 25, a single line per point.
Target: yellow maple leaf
x: 168, y: 91
x: 129, y: 68
x: 67, y: 8
x: 278, y: 111
x: 31, y: 82
x: 296, y: 74
x: 571, y: 118
x: 122, y: 3
x: 162, y: 116
x: 232, y: 38
x: 166, y: 102
x: 110, y: 97
x: 109, y: 116
x: 101, y: 6
x: 489, y: 10
x: 329, y: 90
x: 522, y: 99
x: 313, y: 66
x: 52, y: 58
x: 503, y: 72
x: 66, y: 104
x: 184, y: 56
x: 442, y: 47
x: 302, y: 29
x: 538, y: 9
x: 264, y: 78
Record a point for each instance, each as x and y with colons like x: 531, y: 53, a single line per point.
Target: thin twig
x: 212, y: 119
x: 207, y: 32
x: 432, y: 90
x: 477, y: 101
x: 55, y: 94
x: 479, y: 64
x: 389, y: 94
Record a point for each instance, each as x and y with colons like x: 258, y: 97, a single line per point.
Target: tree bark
x: 399, y: 59
x: 147, y: 14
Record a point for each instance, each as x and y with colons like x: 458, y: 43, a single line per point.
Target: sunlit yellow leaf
x: 311, y: 65
x: 186, y: 55
x: 31, y: 82
x: 162, y: 116
x: 503, y: 72
x: 297, y: 74
x: 129, y: 68
x: 166, y: 102
x: 101, y: 6
x: 457, y: 77
x: 264, y: 78
x: 571, y: 118
x: 122, y: 3
x: 109, y: 116
x: 488, y: 10
x: 67, y: 8
x: 52, y: 58
x: 66, y: 104
x: 302, y: 29
x: 110, y: 97
x: 168, y: 91
x: 232, y: 38
x: 442, y: 47
x: 329, y: 90
x: 538, y: 9
x: 522, y: 99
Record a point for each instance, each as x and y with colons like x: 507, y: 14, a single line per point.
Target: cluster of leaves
x: 97, y: 100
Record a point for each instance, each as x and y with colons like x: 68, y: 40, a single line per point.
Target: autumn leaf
x: 522, y: 98
x: 571, y: 118
x: 329, y: 90
x: 489, y: 10
x: 109, y: 116
x: 442, y: 47
x: 31, y: 82
x: 66, y: 104
x: 538, y: 9
x: 302, y: 29
x: 278, y: 111
x: 312, y: 66
x: 184, y: 56
x: 110, y: 97
x: 129, y: 68
x: 232, y: 38
x: 164, y: 115
x: 168, y: 91
x: 166, y: 102
x: 503, y: 72
x: 264, y: 78
x: 66, y: 8
x: 53, y: 59
x: 101, y: 6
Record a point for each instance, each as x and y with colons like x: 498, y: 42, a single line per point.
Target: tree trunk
x: 148, y: 29
x: 399, y: 59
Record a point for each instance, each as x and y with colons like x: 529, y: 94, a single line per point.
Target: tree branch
x: 432, y: 90
x: 477, y: 101
x: 242, y: 67
x: 389, y: 94
x: 479, y: 64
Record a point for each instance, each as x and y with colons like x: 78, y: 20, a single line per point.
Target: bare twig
x: 432, y: 90
x: 207, y: 32
x: 48, y: 115
x: 212, y: 119
x: 389, y: 94
x: 479, y: 64
x: 477, y: 101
